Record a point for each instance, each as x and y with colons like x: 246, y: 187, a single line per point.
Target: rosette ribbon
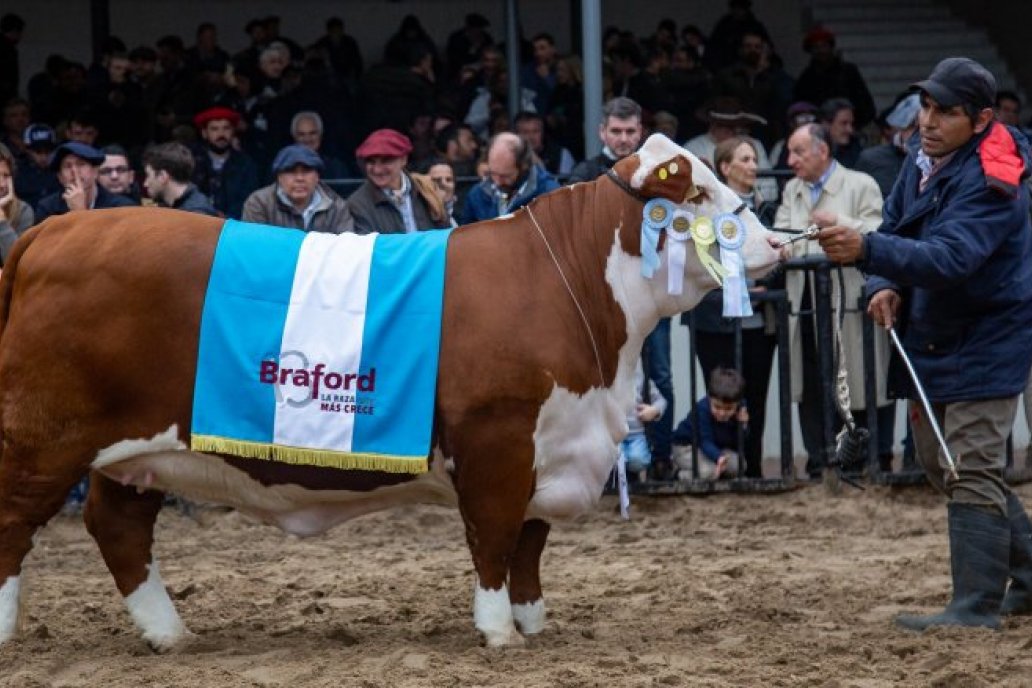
x: 656, y: 216
x: 678, y: 234
x: 704, y: 237
x: 730, y: 232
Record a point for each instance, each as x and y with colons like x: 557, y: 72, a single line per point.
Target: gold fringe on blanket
x: 387, y: 463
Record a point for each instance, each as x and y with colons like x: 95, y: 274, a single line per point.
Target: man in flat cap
x: 391, y: 200
x: 77, y: 165
x: 297, y: 198
x: 949, y: 267
x: 224, y: 174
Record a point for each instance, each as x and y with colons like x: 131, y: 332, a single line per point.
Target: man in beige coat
x: 825, y: 193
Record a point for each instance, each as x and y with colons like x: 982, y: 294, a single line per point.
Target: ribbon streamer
x: 731, y: 237
x: 656, y: 216
x: 704, y: 237
x: 678, y: 234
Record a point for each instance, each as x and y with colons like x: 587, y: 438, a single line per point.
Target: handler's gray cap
x: 959, y: 81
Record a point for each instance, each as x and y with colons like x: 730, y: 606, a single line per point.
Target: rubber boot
x: 980, y: 564
x: 1018, y: 600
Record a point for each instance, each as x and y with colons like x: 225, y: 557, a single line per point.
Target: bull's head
x: 689, y: 190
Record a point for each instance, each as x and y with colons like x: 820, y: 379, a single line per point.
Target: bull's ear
x: 671, y: 179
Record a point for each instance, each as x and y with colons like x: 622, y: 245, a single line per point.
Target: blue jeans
x: 635, y: 449
x: 657, y: 347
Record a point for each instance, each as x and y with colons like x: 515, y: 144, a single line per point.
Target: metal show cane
x: 924, y: 402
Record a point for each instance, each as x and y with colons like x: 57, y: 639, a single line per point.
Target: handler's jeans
x: 976, y: 433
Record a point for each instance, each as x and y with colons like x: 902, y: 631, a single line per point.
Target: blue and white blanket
x: 321, y: 349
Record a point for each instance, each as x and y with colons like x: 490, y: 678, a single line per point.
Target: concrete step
x: 915, y: 17
x: 879, y: 24
x: 896, y: 39
x: 877, y: 55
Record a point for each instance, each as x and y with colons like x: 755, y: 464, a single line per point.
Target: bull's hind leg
x: 31, y: 493
x: 493, y: 500
x: 121, y: 520
x: 528, y: 605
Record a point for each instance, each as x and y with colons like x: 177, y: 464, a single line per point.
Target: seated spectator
x: 307, y: 130
x: 392, y: 201
x: 513, y: 180
x: 17, y: 117
x: 665, y: 123
x: 115, y: 173
x: 725, y: 118
x: 649, y: 405
x: 829, y: 76
x: 443, y: 177
x: 225, y: 175
x: 34, y: 179
x: 721, y: 413
x: 457, y: 144
x: 167, y: 170
x: 688, y: 84
x: 77, y: 167
x: 465, y: 44
x: 837, y: 116
x: 540, y: 75
x: 15, y: 215
x: 297, y: 198
x: 883, y: 162
x: 620, y: 132
x: 341, y: 50
x: 797, y: 115
x: 83, y: 127
x: 552, y: 156
x: 566, y: 107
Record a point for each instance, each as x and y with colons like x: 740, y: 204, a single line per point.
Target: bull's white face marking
x: 167, y: 441
x: 293, y: 508
x: 152, y: 612
x: 529, y: 617
x: 10, y: 608
x: 492, y: 615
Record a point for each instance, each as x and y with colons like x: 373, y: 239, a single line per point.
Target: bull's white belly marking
x: 152, y: 611
x: 158, y: 464
x: 10, y: 598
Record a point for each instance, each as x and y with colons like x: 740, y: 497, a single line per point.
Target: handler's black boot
x: 979, y: 561
x: 1019, y: 596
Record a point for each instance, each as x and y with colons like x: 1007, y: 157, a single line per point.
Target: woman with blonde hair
x: 15, y: 215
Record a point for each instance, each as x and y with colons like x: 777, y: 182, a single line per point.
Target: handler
x: 949, y: 265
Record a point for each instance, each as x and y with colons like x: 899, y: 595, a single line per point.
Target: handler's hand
x: 841, y: 244
x: 883, y: 308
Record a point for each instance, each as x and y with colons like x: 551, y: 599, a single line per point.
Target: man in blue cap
x: 949, y: 267
x: 76, y: 165
x: 298, y: 198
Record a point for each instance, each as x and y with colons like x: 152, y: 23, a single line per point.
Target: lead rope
x: 569, y: 290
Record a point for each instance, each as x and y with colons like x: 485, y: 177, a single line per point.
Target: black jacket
x: 54, y: 204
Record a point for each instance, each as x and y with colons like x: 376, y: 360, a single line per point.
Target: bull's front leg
x: 494, y: 488
x: 528, y: 604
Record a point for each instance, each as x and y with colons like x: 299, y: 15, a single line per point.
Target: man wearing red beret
x: 392, y: 201
x: 222, y: 173
x: 829, y: 76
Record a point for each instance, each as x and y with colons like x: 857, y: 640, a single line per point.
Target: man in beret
x: 829, y: 76
x: 77, y: 165
x: 949, y: 268
x: 391, y: 200
x: 297, y: 198
x: 224, y: 174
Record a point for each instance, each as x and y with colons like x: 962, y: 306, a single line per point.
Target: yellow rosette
x: 704, y: 236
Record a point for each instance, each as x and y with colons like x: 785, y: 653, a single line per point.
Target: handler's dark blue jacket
x: 960, y: 254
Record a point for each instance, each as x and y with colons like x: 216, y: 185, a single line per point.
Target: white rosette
x: 730, y: 231
x: 678, y: 232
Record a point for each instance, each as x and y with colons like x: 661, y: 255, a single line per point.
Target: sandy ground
x: 794, y: 589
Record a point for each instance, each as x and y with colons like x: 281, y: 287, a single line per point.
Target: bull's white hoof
x: 502, y: 639
x: 153, y: 613
x: 492, y: 615
x: 162, y: 643
x: 529, y: 617
x: 10, y: 602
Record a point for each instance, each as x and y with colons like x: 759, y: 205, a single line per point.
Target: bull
x: 544, y: 316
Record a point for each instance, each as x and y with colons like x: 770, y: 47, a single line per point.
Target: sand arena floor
x: 795, y: 589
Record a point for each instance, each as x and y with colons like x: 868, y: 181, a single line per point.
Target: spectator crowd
x: 268, y: 134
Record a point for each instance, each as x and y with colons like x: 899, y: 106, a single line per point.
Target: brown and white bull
x: 100, y: 315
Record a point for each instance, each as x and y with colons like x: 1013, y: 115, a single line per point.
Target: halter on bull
x: 544, y: 316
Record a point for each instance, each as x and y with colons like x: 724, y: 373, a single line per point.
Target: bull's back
x: 101, y: 319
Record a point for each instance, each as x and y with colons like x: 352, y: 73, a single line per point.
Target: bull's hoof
x: 167, y: 642
x: 529, y: 617
x: 510, y: 638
